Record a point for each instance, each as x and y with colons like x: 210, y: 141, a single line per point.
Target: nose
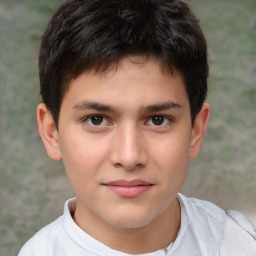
x: 128, y: 149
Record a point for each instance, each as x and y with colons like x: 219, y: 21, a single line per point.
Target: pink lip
x: 130, y: 189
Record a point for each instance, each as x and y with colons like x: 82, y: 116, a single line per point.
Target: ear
x: 48, y: 132
x: 199, y: 130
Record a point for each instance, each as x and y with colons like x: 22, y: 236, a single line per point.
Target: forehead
x: 134, y: 80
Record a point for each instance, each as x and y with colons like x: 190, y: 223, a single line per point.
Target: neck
x: 152, y: 237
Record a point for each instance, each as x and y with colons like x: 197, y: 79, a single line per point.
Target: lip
x: 129, y: 189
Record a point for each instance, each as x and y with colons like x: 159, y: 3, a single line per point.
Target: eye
x: 159, y: 120
x: 96, y: 120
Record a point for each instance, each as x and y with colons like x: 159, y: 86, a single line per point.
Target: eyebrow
x: 161, y: 106
x: 85, y: 105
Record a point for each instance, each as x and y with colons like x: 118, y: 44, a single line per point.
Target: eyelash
x: 105, y: 121
x: 167, y: 119
x: 89, y: 121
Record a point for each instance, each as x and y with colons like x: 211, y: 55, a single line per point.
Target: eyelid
x: 100, y: 126
x: 170, y: 120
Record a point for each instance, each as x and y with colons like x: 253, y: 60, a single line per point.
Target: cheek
x: 82, y: 158
x: 172, y: 151
x: 81, y: 149
x: 171, y: 158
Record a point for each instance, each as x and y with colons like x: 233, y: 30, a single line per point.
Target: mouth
x: 129, y: 189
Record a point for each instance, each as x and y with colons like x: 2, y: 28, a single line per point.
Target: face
x: 125, y: 138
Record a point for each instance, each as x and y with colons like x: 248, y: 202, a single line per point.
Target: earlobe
x: 48, y: 132
x: 199, y: 130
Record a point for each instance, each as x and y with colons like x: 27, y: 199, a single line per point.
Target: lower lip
x: 129, y: 191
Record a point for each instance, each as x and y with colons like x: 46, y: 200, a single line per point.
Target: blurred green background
x: 33, y: 188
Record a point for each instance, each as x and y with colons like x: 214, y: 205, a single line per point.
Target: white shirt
x: 204, y: 227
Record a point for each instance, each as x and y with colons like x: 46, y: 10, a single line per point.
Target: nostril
x: 130, y: 164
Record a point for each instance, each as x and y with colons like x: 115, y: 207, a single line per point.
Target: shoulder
x: 43, y: 239
x: 239, y: 236
x: 196, y: 208
x: 229, y: 231
x: 53, y: 237
x: 204, y: 224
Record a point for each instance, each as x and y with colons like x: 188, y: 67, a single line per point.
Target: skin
x: 142, y: 131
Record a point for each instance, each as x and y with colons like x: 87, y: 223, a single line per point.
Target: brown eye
x: 95, y: 120
x: 158, y: 120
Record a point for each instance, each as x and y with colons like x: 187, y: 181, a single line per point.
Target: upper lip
x: 126, y: 183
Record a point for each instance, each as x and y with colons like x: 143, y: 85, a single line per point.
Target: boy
x: 123, y: 86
